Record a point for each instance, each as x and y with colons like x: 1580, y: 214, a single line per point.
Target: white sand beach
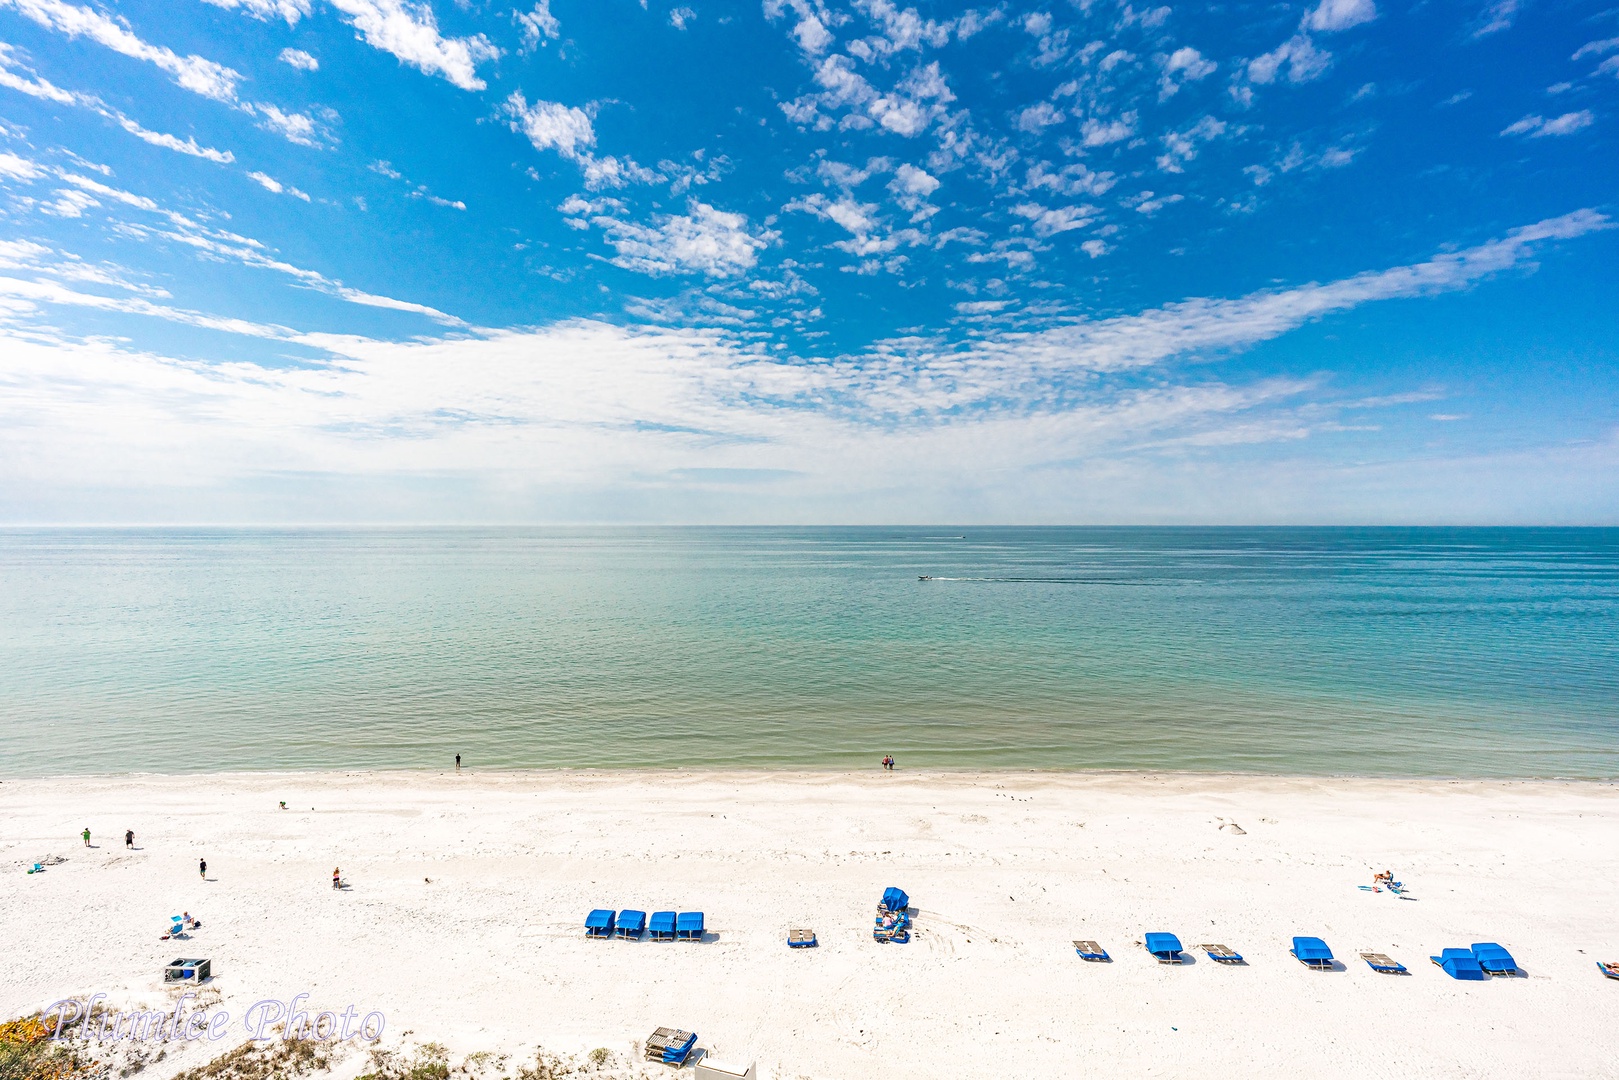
x: 463, y: 919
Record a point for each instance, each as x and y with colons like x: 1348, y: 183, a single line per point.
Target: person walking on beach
x: 337, y: 878
x: 458, y: 761
x: 86, y: 835
x: 129, y: 838
x: 202, y: 868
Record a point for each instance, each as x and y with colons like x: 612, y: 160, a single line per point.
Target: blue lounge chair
x: 663, y: 926
x: 1166, y: 947
x: 1090, y: 950
x: 630, y: 925
x: 689, y: 926
x: 1312, y: 952
x: 1494, y: 959
x: 1380, y: 962
x: 1222, y: 954
x: 599, y: 923
x: 1460, y: 964
x: 801, y: 939
x: 1610, y: 968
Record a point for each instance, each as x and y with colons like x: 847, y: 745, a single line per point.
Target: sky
x: 809, y: 261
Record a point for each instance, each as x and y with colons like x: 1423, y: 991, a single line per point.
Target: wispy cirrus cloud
x: 195, y: 73
x: 1537, y: 127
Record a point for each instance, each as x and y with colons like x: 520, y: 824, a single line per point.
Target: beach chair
x: 599, y: 923
x: 630, y: 925
x: 662, y: 926
x: 1091, y: 951
x: 1610, y: 968
x: 670, y: 1046
x: 1494, y: 959
x: 1222, y: 954
x: 1312, y: 952
x: 802, y: 938
x: 1166, y: 947
x: 1379, y: 962
x: 689, y: 926
x: 1460, y: 964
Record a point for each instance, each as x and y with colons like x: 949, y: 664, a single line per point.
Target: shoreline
x: 463, y: 920
x: 810, y: 774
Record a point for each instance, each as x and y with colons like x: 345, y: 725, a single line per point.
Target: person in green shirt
x: 86, y: 835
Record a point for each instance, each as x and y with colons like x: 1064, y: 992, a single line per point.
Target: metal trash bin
x: 188, y: 971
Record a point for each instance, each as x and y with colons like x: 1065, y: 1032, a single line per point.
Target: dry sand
x: 1004, y: 870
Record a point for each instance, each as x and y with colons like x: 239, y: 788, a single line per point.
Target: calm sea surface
x: 1470, y: 652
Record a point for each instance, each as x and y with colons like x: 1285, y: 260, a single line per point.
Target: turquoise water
x: 1472, y: 652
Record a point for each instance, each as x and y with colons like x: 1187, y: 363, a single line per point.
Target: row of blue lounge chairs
x: 1478, y: 962
x: 629, y: 925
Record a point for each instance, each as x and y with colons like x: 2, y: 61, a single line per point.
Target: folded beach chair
x: 670, y: 1046
x: 630, y: 925
x: 1460, y: 964
x: 1494, y: 959
x: 1166, y: 947
x: 1379, y: 962
x: 689, y: 926
x: 1222, y: 954
x: 599, y: 923
x: 1312, y: 952
x: 802, y: 938
x: 1610, y: 968
x: 1090, y: 950
x: 662, y: 926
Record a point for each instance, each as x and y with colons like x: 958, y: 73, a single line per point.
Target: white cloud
x: 590, y: 404
x: 410, y: 32
x: 1182, y: 66
x: 1298, y: 55
x: 538, y: 26
x: 911, y: 186
x: 1536, y: 127
x: 13, y: 167
x: 1332, y: 15
x: 906, y: 111
x: 270, y: 183
x: 1094, y: 132
x: 1595, y: 48
x: 1497, y: 16
x: 1050, y: 222
x: 294, y: 127
x: 550, y: 125
x: 299, y: 59
x: 194, y: 73
x: 1040, y: 115
x: 703, y: 240
x: 680, y: 16
x: 1180, y: 147
x: 42, y: 88
x: 289, y: 10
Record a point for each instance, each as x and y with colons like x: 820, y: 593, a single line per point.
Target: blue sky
x: 368, y: 260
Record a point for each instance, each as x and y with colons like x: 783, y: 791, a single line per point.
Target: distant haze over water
x: 1420, y: 652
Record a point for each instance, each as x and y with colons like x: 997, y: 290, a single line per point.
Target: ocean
x: 1375, y: 652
